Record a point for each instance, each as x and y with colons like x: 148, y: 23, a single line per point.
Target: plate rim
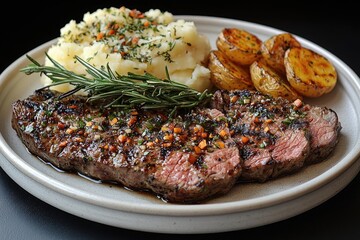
x: 192, y: 209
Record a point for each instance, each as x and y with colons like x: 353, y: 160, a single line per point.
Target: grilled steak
x: 243, y: 136
x: 324, y: 127
x: 276, y: 137
x: 189, y: 158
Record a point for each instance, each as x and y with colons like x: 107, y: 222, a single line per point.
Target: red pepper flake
x: 192, y: 158
x: 112, y: 148
x: 134, y: 40
x: 234, y: 98
x: 168, y: 137
x: 99, y: 36
x: 136, y: 14
x: 244, y: 139
x: 111, y: 32
x: 78, y: 139
x: 167, y: 144
x: 177, y: 130
x: 61, y: 125
x: 133, y: 13
x: 69, y: 131
x: 146, y: 24
x: 297, y: 103
x: 132, y: 120
x: 204, y: 135
x: 197, y: 149
x: 150, y: 144
x: 122, y: 138
x: 63, y: 144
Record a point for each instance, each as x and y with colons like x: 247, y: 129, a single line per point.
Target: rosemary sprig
x: 125, y: 91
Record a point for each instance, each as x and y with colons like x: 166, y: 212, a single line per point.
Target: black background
x: 30, y: 24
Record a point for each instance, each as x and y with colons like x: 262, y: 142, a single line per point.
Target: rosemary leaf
x: 125, y: 91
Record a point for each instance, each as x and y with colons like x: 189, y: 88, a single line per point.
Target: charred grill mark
x: 32, y: 104
x: 246, y: 153
x: 261, y: 111
x: 200, y: 163
x: 44, y: 95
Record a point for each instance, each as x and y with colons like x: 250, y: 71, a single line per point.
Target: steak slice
x: 186, y: 159
x: 324, y: 127
x: 276, y: 137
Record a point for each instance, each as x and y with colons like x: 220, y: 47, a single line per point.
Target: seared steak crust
x: 243, y: 136
x: 185, y: 159
x: 324, y: 127
x: 275, y: 136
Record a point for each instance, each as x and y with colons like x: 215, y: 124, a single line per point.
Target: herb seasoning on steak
x: 276, y: 137
x: 186, y: 159
x: 195, y: 155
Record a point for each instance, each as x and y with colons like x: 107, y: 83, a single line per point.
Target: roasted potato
x: 268, y: 81
x: 308, y: 72
x: 227, y: 75
x: 273, y: 50
x: 239, y: 45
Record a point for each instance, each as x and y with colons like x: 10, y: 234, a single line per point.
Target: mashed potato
x: 132, y: 41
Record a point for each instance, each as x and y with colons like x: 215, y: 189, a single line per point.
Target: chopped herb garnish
x: 81, y: 124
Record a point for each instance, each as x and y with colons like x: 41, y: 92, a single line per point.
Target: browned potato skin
x: 311, y: 74
x: 227, y: 75
x: 239, y: 45
x: 273, y: 50
x: 268, y: 81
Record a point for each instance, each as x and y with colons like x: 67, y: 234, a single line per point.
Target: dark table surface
x: 333, y: 27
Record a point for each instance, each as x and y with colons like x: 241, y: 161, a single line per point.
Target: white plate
x: 246, y: 206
